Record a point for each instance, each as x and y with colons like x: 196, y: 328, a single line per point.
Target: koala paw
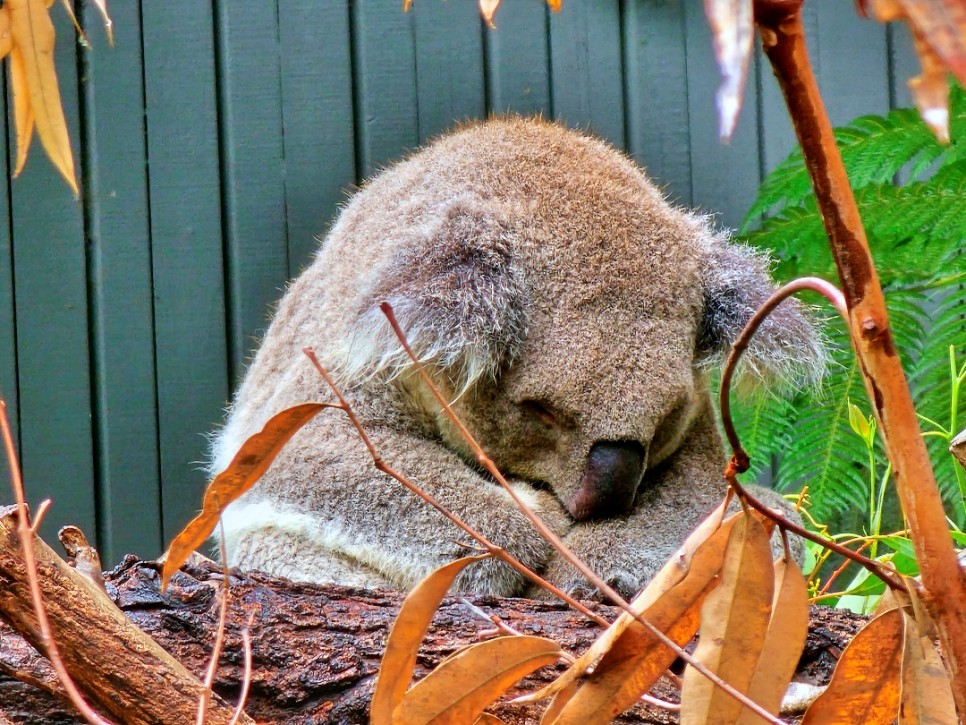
x: 625, y: 566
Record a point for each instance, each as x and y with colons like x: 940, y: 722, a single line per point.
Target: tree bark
x: 316, y: 649
x: 128, y: 676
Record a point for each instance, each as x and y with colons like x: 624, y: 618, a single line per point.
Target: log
x: 124, y: 673
x: 316, y: 649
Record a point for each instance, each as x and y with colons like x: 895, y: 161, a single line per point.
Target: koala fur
x: 568, y: 310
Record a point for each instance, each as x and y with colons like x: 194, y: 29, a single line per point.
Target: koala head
x: 568, y: 310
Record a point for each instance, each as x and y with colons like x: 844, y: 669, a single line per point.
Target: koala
x: 568, y: 311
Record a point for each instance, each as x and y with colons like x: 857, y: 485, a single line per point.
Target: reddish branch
x: 783, y: 39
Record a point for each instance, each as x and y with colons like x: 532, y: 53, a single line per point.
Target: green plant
x: 912, y: 195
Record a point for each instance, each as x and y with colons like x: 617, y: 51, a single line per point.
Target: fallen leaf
x: 408, y: 631
x: 926, y: 695
x: 23, y: 113
x: 33, y: 34
x: 734, y: 621
x: 251, y: 461
x: 459, y: 689
x: 865, y: 685
x: 784, y: 642
x: 555, y: 5
x: 733, y: 32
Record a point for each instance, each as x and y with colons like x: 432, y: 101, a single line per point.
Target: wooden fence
x: 216, y: 141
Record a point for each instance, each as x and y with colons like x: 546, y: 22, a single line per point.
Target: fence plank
x: 319, y: 135
x: 385, y: 74
x: 903, y: 64
x: 517, y: 60
x: 186, y: 234
x: 724, y: 177
x: 449, y: 65
x: 250, y: 127
x: 122, y: 326
x: 655, y: 60
x: 8, y: 322
x: 50, y: 273
x: 588, y: 81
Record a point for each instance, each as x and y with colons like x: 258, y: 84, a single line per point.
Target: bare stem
x: 25, y: 533
x: 739, y: 459
x: 815, y: 284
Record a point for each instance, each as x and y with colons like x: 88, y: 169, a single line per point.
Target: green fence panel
x: 250, y: 129
x: 518, y: 60
x: 318, y: 121
x: 186, y: 245
x: 588, y: 77
x: 384, y: 58
x: 658, y: 128
x: 8, y: 321
x: 50, y: 267
x: 122, y: 311
x: 450, y: 86
x: 724, y: 176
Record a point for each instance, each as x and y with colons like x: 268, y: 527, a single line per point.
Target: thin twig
x: 205, y: 696
x: 661, y: 704
x: 49, y: 646
x: 247, y: 674
x: 739, y: 459
x: 826, y: 289
x: 39, y: 514
x: 555, y: 540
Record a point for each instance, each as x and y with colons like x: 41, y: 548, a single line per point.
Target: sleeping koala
x: 569, y: 312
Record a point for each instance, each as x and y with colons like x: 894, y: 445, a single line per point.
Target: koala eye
x: 541, y: 411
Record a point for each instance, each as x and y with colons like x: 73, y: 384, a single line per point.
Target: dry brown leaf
x: 637, y: 659
x: 251, y: 461
x: 787, y: 631
x: 6, y: 37
x: 557, y: 704
x: 865, y: 685
x: 459, y: 689
x: 487, y: 10
x: 926, y: 695
x: 939, y: 30
x: 23, y: 113
x: 733, y: 32
x: 670, y: 575
x: 33, y: 34
x: 925, y: 622
x: 734, y: 620
x: 408, y: 631
x: 930, y: 91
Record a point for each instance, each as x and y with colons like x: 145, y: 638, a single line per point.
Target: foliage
x: 910, y: 192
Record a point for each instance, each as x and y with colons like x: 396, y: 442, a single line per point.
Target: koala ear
x: 457, y: 294
x: 787, y: 349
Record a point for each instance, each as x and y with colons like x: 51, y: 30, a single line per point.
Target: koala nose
x: 609, y: 484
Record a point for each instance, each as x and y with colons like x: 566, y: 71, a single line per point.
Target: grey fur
x: 564, y: 306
